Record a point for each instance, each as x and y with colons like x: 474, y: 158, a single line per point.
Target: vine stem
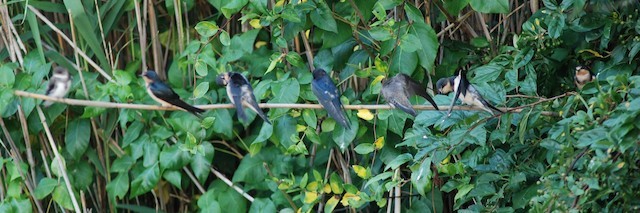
x: 104, y: 104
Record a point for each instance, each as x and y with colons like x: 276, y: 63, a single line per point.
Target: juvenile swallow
x: 164, y: 95
x: 398, y: 89
x: 465, y: 91
x: 59, y: 84
x: 328, y: 96
x: 583, y: 76
x: 240, y: 93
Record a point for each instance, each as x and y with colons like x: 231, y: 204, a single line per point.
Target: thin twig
x: 293, y: 205
x: 230, y: 184
x: 63, y: 168
x: 103, y: 104
x: 194, y: 179
x: 307, y: 49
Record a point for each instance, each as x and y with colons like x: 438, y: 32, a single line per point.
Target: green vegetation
x: 563, y: 150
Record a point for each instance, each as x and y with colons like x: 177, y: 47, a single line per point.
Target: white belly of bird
x: 60, y: 89
x: 583, y: 78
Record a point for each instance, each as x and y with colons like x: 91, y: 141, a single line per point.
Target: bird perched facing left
x: 328, y: 96
x: 465, y: 91
x: 583, y: 76
x: 59, y: 84
x: 164, y: 95
x: 240, y: 93
x: 398, y: 89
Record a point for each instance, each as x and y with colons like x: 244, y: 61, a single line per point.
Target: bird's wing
x: 397, y: 95
x: 164, y: 92
x: 475, y: 95
x: 250, y: 99
x: 415, y: 88
x: 235, y: 95
x: 327, y: 95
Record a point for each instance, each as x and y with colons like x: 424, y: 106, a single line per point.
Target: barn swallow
x: 583, y: 76
x: 399, y: 88
x: 59, y: 84
x: 164, y: 95
x: 465, y: 91
x: 328, y: 96
x: 240, y: 93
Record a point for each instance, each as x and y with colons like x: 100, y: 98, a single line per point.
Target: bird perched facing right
x: 328, y: 96
x: 59, y: 84
x: 398, y: 89
x: 164, y: 95
x: 583, y: 76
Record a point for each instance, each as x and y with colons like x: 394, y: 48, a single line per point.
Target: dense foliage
x: 561, y: 148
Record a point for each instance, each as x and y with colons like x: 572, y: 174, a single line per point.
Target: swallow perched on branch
x: 583, y: 76
x: 164, y: 95
x: 328, y: 96
x: 59, y: 84
x: 398, y: 89
x: 465, y: 91
x: 240, y: 93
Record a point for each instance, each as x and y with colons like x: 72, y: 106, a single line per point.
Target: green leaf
x: 336, y: 183
x: 233, y: 7
x: 223, y: 124
x: 208, y: 202
x: 399, y: 160
x: 421, y: 176
x: 409, y: 43
x: 262, y: 205
x: 201, y: 90
x: 323, y: 18
x: 151, y: 152
x: 145, y: 181
x: 364, y: 148
x: 122, y: 164
x: 379, y: 177
x: 132, y: 133
x: 495, y: 6
x: 201, y: 67
x: 173, y: 177
x: 207, y: 122
x: 309, y: 117
x: 428, y: 42
x: 6, y: 97
x: 172, y: 157
x: 403, y: 62
x: 77, y: 137
x: 250, y: 170
x: 286, y: 91
x: 454, y: 7
x: 224, y: 38
x: 119, y: 186
x: 380, y: 33
x: 45, y: 187
x: 201, y: 161
x: 61, y: 196
x: 206, y: 28
x: 413, y: 13
x: 7, y: 77
x: 265, y: 132
x: 285, y: 128
x: 343, y: 137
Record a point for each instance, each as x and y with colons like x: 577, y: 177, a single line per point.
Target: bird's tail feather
x: 254, y: 106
